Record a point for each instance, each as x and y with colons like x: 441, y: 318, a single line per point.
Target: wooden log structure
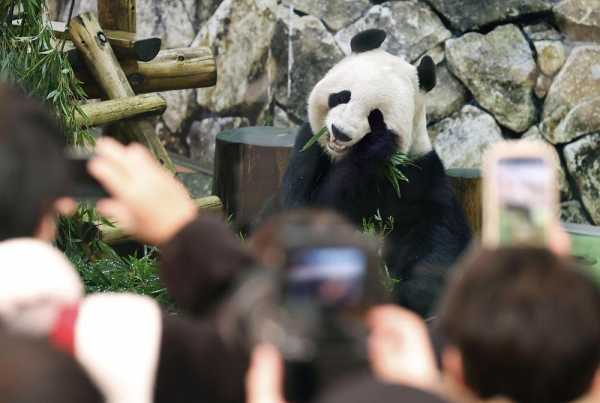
x: 116, y: 110
x: 90, y: 40
x: 468, y: 187
x: 173, y: 69
x: 125, y: 44
x: 249, y: 166
x: 206, y: 205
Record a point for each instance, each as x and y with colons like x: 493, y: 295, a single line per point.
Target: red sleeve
x: 199, y: 265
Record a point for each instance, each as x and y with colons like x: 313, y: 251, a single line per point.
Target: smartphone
x: 520, y: 194
x: 83, y: 185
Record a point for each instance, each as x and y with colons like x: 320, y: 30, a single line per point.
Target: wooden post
x: 90, y: 40
x: 114, y: 235
x: 249, y: 166
x: 174, y: 69
x: 113, y: 111
x: 118, y: 15
x: 467, y: 187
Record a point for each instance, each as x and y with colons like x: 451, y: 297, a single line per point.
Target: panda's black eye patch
x: 342, y: 97
x: 376, y: 121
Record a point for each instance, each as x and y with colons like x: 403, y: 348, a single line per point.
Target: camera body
x: 312, y: 309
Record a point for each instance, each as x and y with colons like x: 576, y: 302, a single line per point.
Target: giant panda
x: 373, y: 104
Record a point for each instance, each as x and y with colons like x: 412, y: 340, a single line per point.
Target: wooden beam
x: 119, y: 15
x: 90, y: 40
x: 174, y: 69
x: 125, y: 44
x: 114, y: 235
x: 117, y: 110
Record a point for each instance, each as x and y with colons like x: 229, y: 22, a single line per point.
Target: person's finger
x: 116, y: 153
x: 560, y: 242
x: 117, y: 213
x: 65, y: 206
x: 110, y: 176
x: 265, y: 378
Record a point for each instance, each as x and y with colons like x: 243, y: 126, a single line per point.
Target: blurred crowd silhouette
x: 298, y: 312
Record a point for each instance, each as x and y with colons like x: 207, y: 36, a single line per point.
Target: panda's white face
x: 345, y: 100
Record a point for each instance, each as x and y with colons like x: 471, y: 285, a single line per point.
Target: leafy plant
x: 32, y: 57
x: 379, y: 228
x: 393, y: 172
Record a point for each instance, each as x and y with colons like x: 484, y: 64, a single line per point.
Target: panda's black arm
x: 304, y: 171
x: 354, y: 174
x: 422, y: 256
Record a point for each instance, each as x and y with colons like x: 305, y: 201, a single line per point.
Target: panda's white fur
x: 376, y: 80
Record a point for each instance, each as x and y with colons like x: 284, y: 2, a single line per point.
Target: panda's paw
x: 376, y: 146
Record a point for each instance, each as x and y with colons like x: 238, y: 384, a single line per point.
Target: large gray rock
x: 579, y: 19
x: 461, y: 139
x: 448, y: 96
x: 202, y: 134
x: 566, y: 192
x: 239, y: 34
x: 313, y: 52
x: 206, y: 9
x: 336, y: 14
x: 412, y: 27
x: 583, y: 162
x: 572, y: 212
x: 551, y: 56
x: 500, y: 71
x: 572, y: 109
x: 465, y: 15
x: 172, y: 20
x: 542, y: 32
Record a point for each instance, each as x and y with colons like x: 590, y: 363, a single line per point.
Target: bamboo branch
x: 90, y: 40
x: 113, y: 111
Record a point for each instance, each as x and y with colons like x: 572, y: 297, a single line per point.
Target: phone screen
x: 525, y: 194
x: 333, y: 277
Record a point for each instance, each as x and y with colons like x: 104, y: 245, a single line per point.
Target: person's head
x: 521, y: 323
x: 31, y: 371
x: 33, y: 170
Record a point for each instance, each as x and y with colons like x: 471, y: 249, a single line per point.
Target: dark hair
x: 527, y: 324
x: 33, y: 170
x: 32, y: 371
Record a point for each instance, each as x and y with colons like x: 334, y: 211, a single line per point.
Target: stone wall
x: 507, y: 69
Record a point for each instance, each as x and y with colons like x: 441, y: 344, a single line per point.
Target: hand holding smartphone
x: 520, y: 194
x: 83, y: 185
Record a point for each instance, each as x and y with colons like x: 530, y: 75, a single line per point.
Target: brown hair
x: 527, y: 324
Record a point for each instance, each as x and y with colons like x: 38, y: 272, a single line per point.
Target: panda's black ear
x: 426, y: 72
x: 367, y: 40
